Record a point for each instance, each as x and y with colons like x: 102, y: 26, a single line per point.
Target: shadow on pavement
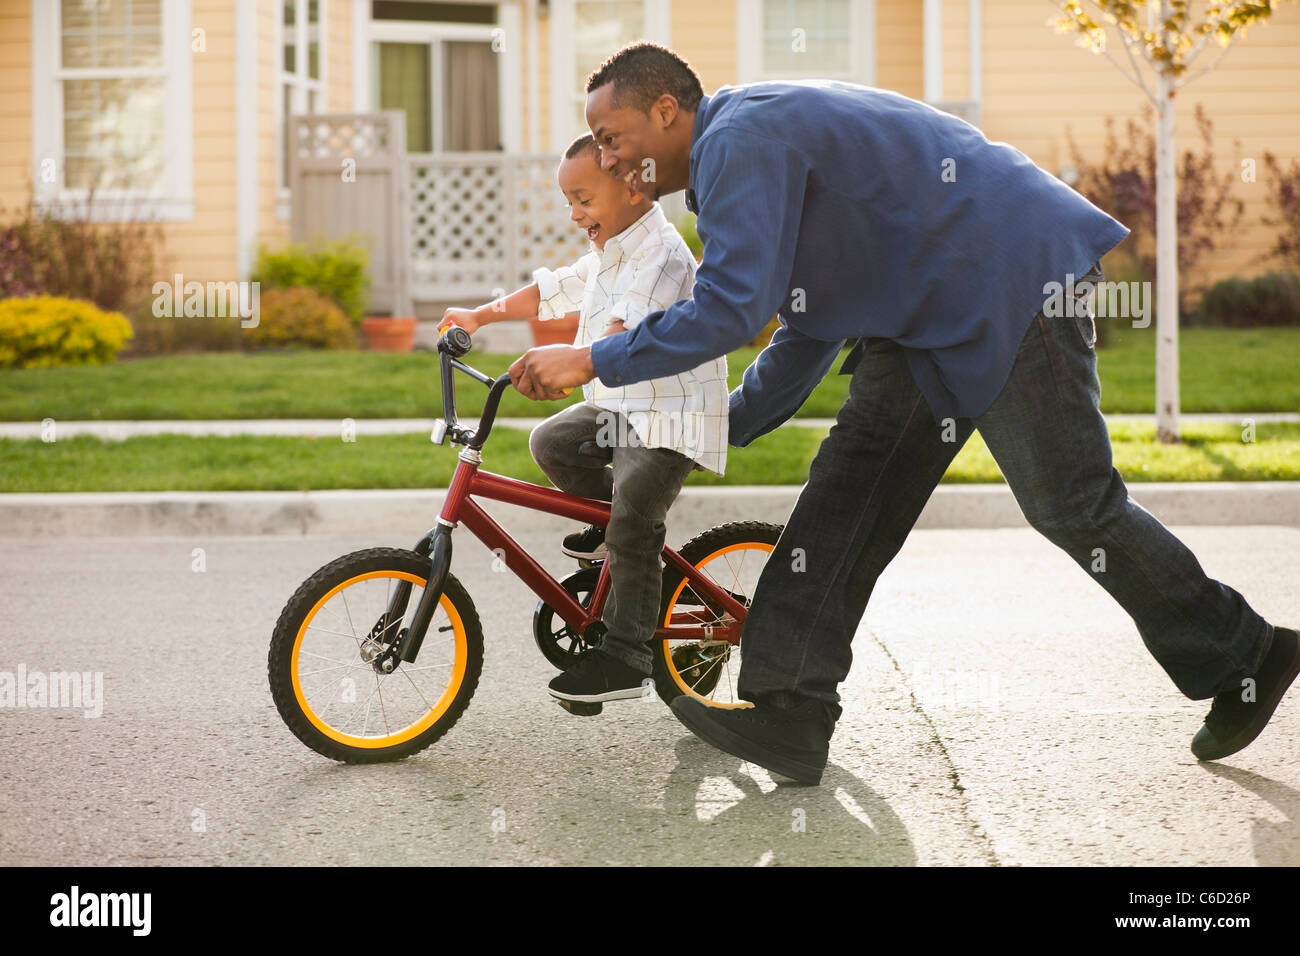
x: 1275, y: 843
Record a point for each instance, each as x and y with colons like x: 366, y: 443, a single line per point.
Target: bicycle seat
x: 595, y: 450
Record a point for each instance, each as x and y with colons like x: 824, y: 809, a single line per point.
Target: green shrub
x: 301, y: 317
x: 338, y: 270
x: 686, y: 227
x: 1267, y: 300
x: 112, y: 264
x: 168, y: 335
x: 46, y: 330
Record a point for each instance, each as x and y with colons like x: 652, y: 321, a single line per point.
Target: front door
x: 444, y: 76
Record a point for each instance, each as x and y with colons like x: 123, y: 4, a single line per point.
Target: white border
x: 246, y: 169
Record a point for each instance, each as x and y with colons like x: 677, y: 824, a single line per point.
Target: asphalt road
x: 1001, y: 710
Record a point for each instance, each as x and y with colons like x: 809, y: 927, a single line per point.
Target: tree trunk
x: 1166, y: 269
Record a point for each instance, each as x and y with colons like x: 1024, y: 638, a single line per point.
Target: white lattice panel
x: 457, y: 221
x: 480, y: 222
x: 335, y: 136
x: 544, y: 234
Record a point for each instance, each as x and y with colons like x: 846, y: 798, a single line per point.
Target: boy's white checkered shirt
x: 644, y: 269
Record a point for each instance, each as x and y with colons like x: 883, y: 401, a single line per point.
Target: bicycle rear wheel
x: 731, y: 556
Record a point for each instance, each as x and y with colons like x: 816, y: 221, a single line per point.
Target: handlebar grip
x: 455, y: 341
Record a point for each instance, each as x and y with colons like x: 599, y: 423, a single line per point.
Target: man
x: 859, y: 213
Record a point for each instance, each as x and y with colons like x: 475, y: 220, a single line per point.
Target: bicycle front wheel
x: 331, y: 635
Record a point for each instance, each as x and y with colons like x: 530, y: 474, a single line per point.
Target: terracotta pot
x: 388, y: 333
x: 554, y: 331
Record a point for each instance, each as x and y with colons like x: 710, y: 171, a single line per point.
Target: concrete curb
x: 333, y: 427
x: 239, y: 513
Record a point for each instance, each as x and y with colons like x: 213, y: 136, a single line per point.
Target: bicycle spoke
x: 417, y: 689
x: 344, y: 594
x: 383, y: 711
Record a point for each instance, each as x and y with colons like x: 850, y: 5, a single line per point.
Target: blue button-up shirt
x: 853, y: 212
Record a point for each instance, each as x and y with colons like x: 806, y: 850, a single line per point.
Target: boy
x: 659, y: 430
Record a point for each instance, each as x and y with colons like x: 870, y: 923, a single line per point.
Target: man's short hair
x: 642, y: 72
x: 586, y: 143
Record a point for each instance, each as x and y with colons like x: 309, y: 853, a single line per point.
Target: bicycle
x: 319, y: 659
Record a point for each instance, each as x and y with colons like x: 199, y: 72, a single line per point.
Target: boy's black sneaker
x: 793, y: 742
x: 596, y: 677
x: 1233, y: 723
x: 589, y: 543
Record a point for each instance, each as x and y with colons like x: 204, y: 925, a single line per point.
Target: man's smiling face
x: 628, y: 137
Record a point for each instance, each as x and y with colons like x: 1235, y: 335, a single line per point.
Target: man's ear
x: 665, y: 110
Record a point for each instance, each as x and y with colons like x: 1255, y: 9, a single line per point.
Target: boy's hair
x: 586, y: 143
x: 642, y: 72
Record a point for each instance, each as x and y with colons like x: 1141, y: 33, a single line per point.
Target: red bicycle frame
x: 460, y: 507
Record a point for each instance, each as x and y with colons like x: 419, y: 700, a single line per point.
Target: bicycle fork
x: 436, y: 545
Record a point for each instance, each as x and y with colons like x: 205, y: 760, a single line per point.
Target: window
x: 111, y: 107
x: 583, y: 34
x: 444, y: 75
x: 800, y: 33
x: 302, y: 82
x: 802, y: 39
x: 600, y: 28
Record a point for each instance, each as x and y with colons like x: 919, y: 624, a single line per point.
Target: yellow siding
x: 956, y: 50
x: 204, y: 248
x: 338, y: 44
x: 15, y: 103
x: 899, y: 45
x: 704, y: 34
x: 1037, y: 85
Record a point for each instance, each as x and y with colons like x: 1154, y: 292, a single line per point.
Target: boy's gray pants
x: 641, y: 487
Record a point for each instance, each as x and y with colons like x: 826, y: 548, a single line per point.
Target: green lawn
x: 184, y: 463
x: 1223, y: 370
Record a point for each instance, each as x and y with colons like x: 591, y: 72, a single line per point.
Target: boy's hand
x: 551, y: 371
x: 615, y: 327
x: 462, y: 317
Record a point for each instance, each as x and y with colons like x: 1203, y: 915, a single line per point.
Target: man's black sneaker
x: 589, y: 543
x: 794, y: 743
x: 596, y: 677
x: 1232, y: 722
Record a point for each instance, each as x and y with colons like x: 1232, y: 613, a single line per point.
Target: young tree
x: 1161, y: 39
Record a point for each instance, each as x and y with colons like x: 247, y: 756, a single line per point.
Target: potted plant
x: 554, y: 331
x: 387, y: 333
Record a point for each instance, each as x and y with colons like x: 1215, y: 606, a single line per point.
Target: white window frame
x: 862, y: 45
x: 433, y: 33
x: 175, y: 202
x: 564, y: 60
x: 299, y: 83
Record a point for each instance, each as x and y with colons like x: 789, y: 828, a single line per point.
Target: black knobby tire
x: 455, y: 610
x: 670, y: 678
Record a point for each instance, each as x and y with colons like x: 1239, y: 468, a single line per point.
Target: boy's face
x: 599, y: 203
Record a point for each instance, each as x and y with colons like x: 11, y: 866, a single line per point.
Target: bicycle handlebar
x: 454, y: 343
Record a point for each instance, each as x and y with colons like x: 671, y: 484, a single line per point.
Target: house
x: 180, y: 110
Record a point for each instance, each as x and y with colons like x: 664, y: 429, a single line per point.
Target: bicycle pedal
x: 581, y: 708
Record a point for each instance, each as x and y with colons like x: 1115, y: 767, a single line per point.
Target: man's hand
x: 551, y: 371
x: 465, y: 318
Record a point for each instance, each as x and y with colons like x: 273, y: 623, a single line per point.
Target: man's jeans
x: 641, y: 486
x: 883, y: 457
